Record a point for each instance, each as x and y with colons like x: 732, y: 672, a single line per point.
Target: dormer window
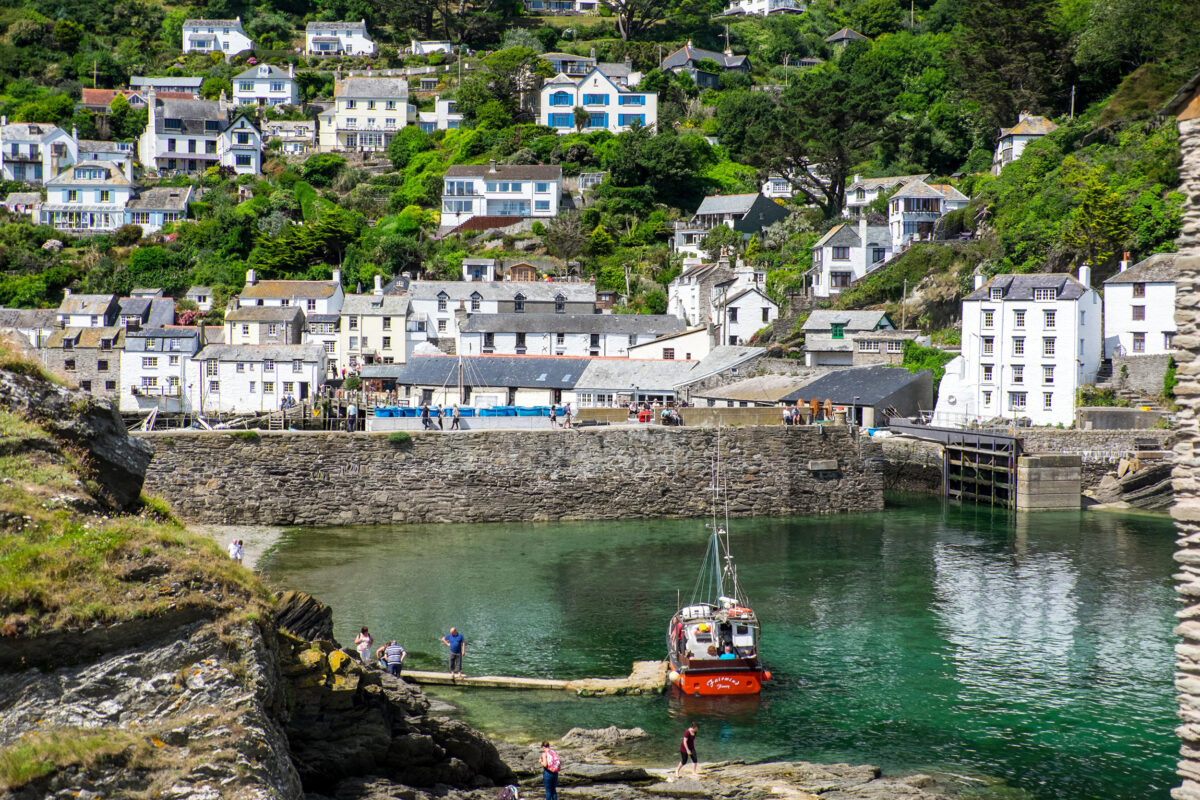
x: 560, y: 304
x: 997, y: 293
x: 442, y: 298
x: 519, y: 304
x: 1050, y: 293
x: 173, y: 124
x: 475, y: 298
x: 212, y: 125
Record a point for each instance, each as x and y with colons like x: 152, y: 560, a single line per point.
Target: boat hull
x: 723, y: 682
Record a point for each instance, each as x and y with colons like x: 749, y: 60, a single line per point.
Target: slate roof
x: 323, y: 319
x: 1020, y: 287
x: 317, y: 290
x: 138, y: 82
x: 154, y: 312
x: 844, y: 35
x: 1158, y: 268
x: 196, y: 291
x: 919, y: 189
x: 624, y: 374
x: 261, y: 352
x: 88, y: 338
x: 192, y: 115
x: 614, y: 69
x: 504, y: 290
x: 688, y: 53
x: 173, y: 332
x: 539, y: 372
x: 161, y: 198
x: 653, y: 324
x: 846, y: 235
x: 869, y: 386
x: 727, y: 204
x: 265, y: 314
x: 759, y: 389
x: 749, y: 290
x: 371, y: 88
x: 526, y: 172
x: 212, y: 23
x: 336, y: 26
x: 390, y: 304
x: 98, y: 146
x: 821, y: 320
x: 113, y: 176
x: 28, y: 318
x: 273, y: 73
x: 884, y: 183
x: 27, y: 131
x: 1030, y: 125
x: 721, y: 359
x: 22, y: 199
x: 89, y: 304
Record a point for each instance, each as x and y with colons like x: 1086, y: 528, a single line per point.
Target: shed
x: 870, y: 395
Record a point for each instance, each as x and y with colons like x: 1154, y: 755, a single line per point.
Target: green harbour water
x: 1032, y: 650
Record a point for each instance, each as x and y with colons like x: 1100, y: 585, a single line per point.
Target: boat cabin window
x: 743, y: 636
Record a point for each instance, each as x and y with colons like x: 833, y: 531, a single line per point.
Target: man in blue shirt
x: 458, y: 645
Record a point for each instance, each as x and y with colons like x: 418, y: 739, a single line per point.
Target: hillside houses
x: 607, y: 103
x: 365, y: 115
x: 913, y: 211
x: 189, y: 136
x: 265, y: 85
x: 338, y: 38
x: 33, y: 152
x: 688, y: 59
x: 863, y: 191
x: 596, y: 335
x: 847, y: 253
x: 507, y: 193
x: 1013, y: 140
x: 225, y: 36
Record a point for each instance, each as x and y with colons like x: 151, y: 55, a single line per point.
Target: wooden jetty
x: 647, y: 677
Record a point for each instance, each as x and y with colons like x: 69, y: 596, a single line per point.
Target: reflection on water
x: 1036, y: 649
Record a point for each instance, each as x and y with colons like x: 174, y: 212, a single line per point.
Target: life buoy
x: 740, y: 611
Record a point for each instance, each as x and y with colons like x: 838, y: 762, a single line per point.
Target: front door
x: 303, y: 390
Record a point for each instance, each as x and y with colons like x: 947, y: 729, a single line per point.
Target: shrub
x: 352, y: 383
x: 246, y: 436
x: 1169, y: 379
x: 399, y: 438
x: 918, y: 357
x: 127, y: 235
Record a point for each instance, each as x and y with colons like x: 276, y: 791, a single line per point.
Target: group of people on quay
x: 391, y: 654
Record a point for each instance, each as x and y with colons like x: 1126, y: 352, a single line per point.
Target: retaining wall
x: 1100, y: 451
x: 321, y: 478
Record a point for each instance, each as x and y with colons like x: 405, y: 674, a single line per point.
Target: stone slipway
x: 647, y: 677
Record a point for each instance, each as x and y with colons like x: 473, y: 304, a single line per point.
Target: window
x: 987, y: 372
x: 1048, y: 318
x: 988, y: 345
x: 561, y: 121
x: 102, y: 366
x: 632, y: 339
x: 245, y: 330
x: 841, y: 254
x: 459, y: 188
x: 668, y: 353
x: 387, y: 323
x: 1018, y: 374
x: 390, y: 105
x: 895, y: 346
x: 1048, y: 346
x: 243, y: 159
x: 210, y: 367
x: 598, y: 120
x: 1168, y: 340
x: 173, y: 382
x: 268, y: 366
x: 560, y: 304
x: 837, y: 331
x: 149, y: 382
x: 519, y: 304
x: 110, y: 386
x: 387, y: 343
x: 441, y: 302
x: 1139, y: 343
x: 241, y: 367
x: 1139, y: 313
x: 867, y: 346
x: 766, y: 315
x: 214, y: 386
x: 210, y: 148
x: 441, y: 326
x: 330, y: 348
x: 69, y: 365
x: 632, y: 100
x: 629, y: 119
x: 1047, y: 401
x: 561, y: 99
x: 541, y: 205
x: 1019, y: 318
x: 997, y: 293
x: 276, y: 86
x: 353, y: 323
x: 1047, y: 374
x: 1016, y: 401
x: 878, y: 254
x: 191, y: 145
x: 989, y: 319
x: 1018, y: 346
x: 541, y: 187
x: 252, y: 385
x: 272, y: 329
x: 72, y: 196
x: 105, y: 195
x: 1139, y: 290
x: 560, y: 338
x: 595, y: 99
x: 289, y: 387
x: 520, y: 342
x: 173, y: 361
x: 149, y: 363
x: 732, y: 314
x: 268, y: 387
x: 475, y: 302
x: 1049, y: 293
x: 349, y: 105
x: 353, y: 342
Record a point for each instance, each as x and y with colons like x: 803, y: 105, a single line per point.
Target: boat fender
x: 673, y: 676
x: 766, y: 675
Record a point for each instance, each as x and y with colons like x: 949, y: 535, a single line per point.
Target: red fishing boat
x: 712, y: 643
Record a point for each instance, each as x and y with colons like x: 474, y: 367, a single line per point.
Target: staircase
x: 1106, y: 380
x: 1104, y: 374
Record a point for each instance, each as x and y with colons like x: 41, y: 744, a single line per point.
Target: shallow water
x: 1034, y: 649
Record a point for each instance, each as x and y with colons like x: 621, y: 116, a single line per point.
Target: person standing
x: 364, y: 641
x: 566, y: 415
x: 237, y: 550
x: 551, y: 764
x: 440, y: 415
x: 455, y: 418
x: 553, y: 416
x: 425, y: 423
x: 352, y: 415
x: 687, y: 749
x: 392, y: 656
x: 458, y: 646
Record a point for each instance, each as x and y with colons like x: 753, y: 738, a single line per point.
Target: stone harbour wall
x: 299, y: 478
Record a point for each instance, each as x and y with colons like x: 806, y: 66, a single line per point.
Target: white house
x: 202, y: 296
x: 295, y: 136
x: 154, y: 368
x: 602, y: 335
x: 915, y: 209
x: 561, y: 6
x: 120, y: 153
x: 437, y: 305
x: 831, y: 336
x: 1139, y: 307
x: 763, y: 7
x: 863, y: 191
x: 88, y: 310
x: 338, y: 38
x: 215, y: 36
x: 691, y: 344
x: 241, y: 379
x: 192, y: 135
x: 1028, y: 343
x: 500, y: 190
x: 1013, y: 140
x: 89, y: 197
x: 265, y: 85
x: 32, y: 152
x: 699, y: 293
x: 365, y: 115
x: 777, y: 187
x: 609, y: 106
x: 419, y: 48
x: 846, y: 254
x: 155, y: 207
x: 180, y: 84
x: 313, y: 297
x: 444, y: 116
x: 742, y: 313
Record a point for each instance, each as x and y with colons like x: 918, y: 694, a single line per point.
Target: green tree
x: 509, y: 78
x: 1100, y: 225
x: 68, y: 34
x: 565, y: 236
x: 405, y: 144
x: 635, y: 17
x: 581, y: 118
x: 600, y: 242
x: 212, y: 87
x: 322, y: 168
x: 720, y: 241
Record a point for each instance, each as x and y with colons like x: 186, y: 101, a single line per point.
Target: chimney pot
x: 1085, y: 275
x: 337, y: 275
x: 378, y: 284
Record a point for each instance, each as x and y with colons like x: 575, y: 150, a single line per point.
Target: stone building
x: 1186, y: 107
x: 89, y: 357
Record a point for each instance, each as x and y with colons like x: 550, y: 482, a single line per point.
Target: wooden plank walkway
x: 647, y: 677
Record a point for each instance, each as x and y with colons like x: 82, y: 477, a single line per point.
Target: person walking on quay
x: 566, y: 415
x: 551, y: 764
x: 440, y: 415
x: 352, y: 415
x: 363, y: 642
x: 458, y: 646
x: 425, y: 422
x: 553, y: 416
x: 455, y: 418
x: 687, y: 749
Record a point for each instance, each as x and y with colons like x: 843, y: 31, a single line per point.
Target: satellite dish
x: 951, y: 399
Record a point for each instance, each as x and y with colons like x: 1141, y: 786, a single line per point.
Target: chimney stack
x: 492, y: 165
x: 337, y: 275
x: 378, y: 284
x: 66, y: 293
x: 1125, y: 261
x: 251, y: 278
x: 1085, y: 275
x: 978, y: 281
x: 862, y: 232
